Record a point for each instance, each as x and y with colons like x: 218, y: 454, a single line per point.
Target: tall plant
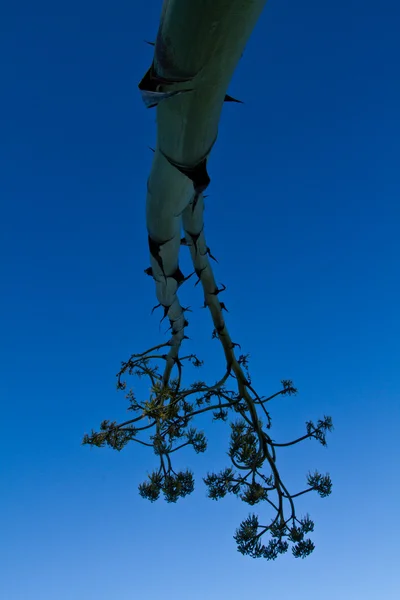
x: 198, y: 46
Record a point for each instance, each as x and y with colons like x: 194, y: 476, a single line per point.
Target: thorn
x: 177, y: 361
x: 210, y: 255
x: 217, y: 331
x: 149, y: 43
x: 223, y: 307
x: 195, y: 237
x: 149, y: 271
x: 197, y: 174
x: 154, y: 308
x: 155, y: 248
x: 208, y: 251
x: 231, y: 99
x: 235, y: 344
x: 150, y: 148
x: 149, y: 88
x: 178, y: 276
x: 166, y: 309
x: 219, y: 290
x: 198, y: 273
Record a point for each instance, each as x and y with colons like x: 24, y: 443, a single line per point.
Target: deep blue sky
x: 303, y: 216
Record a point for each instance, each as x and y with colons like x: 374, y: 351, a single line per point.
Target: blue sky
x: 303, y: 216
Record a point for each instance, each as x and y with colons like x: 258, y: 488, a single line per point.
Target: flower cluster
x: 253, y: 476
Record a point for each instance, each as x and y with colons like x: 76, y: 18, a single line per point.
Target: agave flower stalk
x: 198, y: 46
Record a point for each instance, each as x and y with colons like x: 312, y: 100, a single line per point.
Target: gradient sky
x: 303, y: 216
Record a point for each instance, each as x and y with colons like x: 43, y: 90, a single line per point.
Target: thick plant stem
x: 198, y: 46
x: 165, y: 185
x: 193, y: 224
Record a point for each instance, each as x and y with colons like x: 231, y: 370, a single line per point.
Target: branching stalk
x: 198, y: 46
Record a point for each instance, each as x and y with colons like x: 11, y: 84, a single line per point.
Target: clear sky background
x: 303, y: 216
